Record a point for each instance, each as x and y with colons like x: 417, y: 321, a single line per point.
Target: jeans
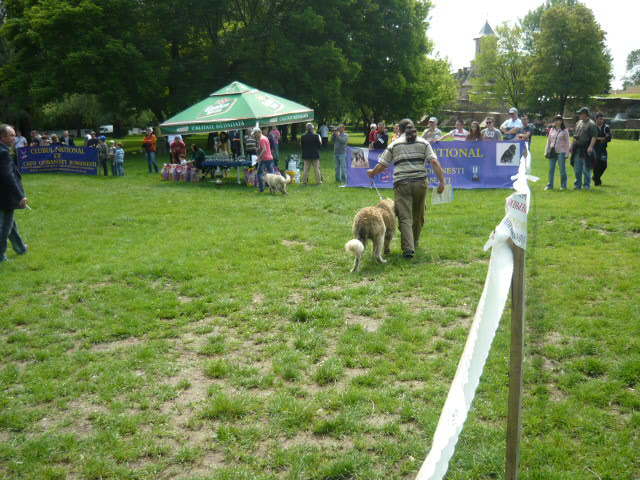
x: 560, y: 159
x: 151, y: 161
x: 582, y: 167
x: 119, y: 169
x: 262, y: 166
x: 341, y: 167
x: 114, y: 173
x: 9, y: 232
x: 410, y: 198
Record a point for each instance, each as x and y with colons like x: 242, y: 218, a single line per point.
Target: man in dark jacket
x: 12, y: 194
x: 602, y: 139
x: 311, y: 144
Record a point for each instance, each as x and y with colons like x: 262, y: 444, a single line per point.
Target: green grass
x: 161, y: 330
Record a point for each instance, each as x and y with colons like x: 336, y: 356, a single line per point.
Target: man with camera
x: 582, y: 149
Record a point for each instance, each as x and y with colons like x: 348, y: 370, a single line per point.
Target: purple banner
x: 465, y: 164
x: 58, y: 159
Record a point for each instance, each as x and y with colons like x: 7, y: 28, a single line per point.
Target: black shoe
x: 408, y: 254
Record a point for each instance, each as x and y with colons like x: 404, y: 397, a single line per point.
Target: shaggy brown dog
x: 377, y: 224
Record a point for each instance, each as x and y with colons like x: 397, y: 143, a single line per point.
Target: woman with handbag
x: 556, y: 151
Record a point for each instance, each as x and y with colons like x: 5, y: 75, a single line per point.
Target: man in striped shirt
x: 409, y: 155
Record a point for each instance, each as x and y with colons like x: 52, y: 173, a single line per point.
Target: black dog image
x: 507, y: 156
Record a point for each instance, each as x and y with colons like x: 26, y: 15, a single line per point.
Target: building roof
x: 486, y: 30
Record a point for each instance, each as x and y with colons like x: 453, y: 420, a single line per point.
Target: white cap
x: 373, y: 125
x: 433, y: 119
x: 255, y: 130
x: 513, y: 110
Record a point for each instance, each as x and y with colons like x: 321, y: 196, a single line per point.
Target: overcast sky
x: 454, y: 24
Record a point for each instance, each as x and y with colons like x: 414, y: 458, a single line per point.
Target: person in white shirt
x: 324, y: 135
x: 432, y: 133
x: 459, y: 133
x: 20, y: 140
x: 511, y: 126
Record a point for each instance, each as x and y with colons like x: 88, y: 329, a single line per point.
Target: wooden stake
x: 514, y: 418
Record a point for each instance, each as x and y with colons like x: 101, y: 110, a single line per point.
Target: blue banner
x: 58, y: 159
x: 467, y: 165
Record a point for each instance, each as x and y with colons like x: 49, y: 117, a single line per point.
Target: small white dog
x: 277, y: 183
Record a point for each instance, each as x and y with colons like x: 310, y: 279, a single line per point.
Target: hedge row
x: 626, y: 134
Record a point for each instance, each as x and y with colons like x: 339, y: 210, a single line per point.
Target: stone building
x: 465, y: 74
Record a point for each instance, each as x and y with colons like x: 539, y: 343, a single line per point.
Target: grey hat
x: 583, y: 110
x: 433, y: 119
x: 513, y: 110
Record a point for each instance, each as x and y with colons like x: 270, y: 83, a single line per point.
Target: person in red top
x: 149, y: 144
x: 373, y: 134
x: 265, y: 157
x: 178, y: 149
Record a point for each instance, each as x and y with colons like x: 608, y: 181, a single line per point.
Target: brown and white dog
x: 277, y: 183
x: 377, y: 224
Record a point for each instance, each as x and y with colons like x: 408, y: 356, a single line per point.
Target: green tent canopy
x: 236, y: 106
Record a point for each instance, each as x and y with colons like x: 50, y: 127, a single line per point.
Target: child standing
x: 119, y: 160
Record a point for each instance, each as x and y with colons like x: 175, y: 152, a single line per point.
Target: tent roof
x: 236, y: 106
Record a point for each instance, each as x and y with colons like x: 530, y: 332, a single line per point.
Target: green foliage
x: 626, y: 133
x: 73, y: 111
x: 336, y: 56
x: 570, y: 59
x: 502, y: 67
x: 633, y: 69
x: 531, y: 22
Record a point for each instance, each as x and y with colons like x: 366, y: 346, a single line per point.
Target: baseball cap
x: 433, y: 119
x: 373, y: 125
x: 103, y: 138
x: 583, y: 110
x: 256, y: 130
x: 513, y: 110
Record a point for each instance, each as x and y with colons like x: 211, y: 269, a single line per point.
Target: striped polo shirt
x: 408, y: 159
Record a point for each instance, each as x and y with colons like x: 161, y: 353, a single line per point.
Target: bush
x: 625, y: 134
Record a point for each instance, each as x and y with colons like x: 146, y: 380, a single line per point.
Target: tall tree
x: 501, y: 68
x: 633, y: 69
x: 530, y: 23
x: 570, y: 59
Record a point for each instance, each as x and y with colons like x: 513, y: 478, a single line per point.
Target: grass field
x: 176, y: 331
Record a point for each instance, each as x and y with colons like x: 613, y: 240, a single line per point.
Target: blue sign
x: 58, y: 159
x: 482, y: 164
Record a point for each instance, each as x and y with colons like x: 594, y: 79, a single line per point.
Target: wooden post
x: 514, y: 417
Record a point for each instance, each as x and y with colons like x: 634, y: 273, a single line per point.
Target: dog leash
x: 373, y: 185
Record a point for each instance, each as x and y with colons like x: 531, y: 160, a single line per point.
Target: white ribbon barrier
x: 483, y: 329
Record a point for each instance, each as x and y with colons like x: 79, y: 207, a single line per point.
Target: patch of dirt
x: 295, y: 298
x: 306, y: 438
x: 586, y: 226
x: 368, y: 323
x: 381, y: 419
x: 207, y: 464
x: 116, y: 345
x: 258, y: 299
x: 296, y: 243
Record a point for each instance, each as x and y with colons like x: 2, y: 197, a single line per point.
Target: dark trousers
x: 409, y: 199
x: 9, y: 233
x: 104, y: 165
x: 600, y: 167
x: 262, y: 166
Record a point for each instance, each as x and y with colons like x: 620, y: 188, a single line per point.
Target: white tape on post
x: 474, y: 356
x: 483, y: 329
